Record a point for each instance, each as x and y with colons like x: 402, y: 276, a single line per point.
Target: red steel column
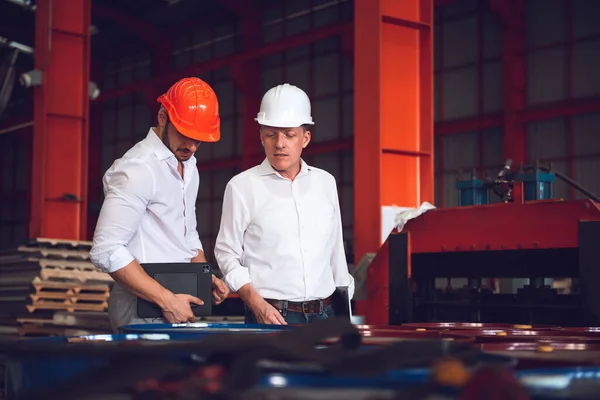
x: 514, y: 75
x: 393, y: 112
x: 61, y: 109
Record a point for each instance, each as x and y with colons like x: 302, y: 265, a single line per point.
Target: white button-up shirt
x: 148, y: 214
x: 149, y: 210
x: 283, y: 236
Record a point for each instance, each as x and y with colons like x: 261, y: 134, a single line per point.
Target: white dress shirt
x: 149, y: 213
x: 283, y: 236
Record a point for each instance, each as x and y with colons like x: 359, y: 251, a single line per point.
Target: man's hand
x: 177, y: 308
x: 262, y: 310
x: 267, y: 314
x: 220, y: 290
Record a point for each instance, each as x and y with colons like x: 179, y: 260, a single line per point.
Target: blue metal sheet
x: 30, y: 373
x: 203, y: 327
x: 562, y: 383
x: 41, y: 372
x: 392, y: 380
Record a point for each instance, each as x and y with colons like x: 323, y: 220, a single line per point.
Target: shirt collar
x: 265, y: 168
x: 157, y: 146
x: 160, y: 150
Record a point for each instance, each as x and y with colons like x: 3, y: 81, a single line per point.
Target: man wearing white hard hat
x: 280, y: 244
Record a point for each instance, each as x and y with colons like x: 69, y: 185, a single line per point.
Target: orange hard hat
x: 193, y: 109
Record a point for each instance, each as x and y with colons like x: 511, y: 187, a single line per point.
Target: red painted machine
x: 521, y: 239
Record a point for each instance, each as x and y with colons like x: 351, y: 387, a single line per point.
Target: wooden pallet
x: 67, y: 265
x: 41, y: 287
x: 50, y: 273
x: 70, y: 297
x: 63, y: 242
x: 55, y: 253
x: 66, y: 305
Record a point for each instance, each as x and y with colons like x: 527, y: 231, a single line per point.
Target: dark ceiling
x: 119, y: 22
x: 121, y: 27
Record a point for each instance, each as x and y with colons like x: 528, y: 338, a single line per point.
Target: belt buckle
x: 304, y: 307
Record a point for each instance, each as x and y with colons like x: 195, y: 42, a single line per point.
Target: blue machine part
x: 562, y: 383
x: 24, y: 374
x: 39, y: 372
x: 394, y: 380
x: 202, y: 327
x: 30, y: 373
x: 472, y: 192
x: 537, y: 185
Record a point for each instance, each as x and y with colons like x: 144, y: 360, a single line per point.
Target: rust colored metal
x: 549, y: 354
x: 473, y: 325
x: 461, y: 227
x: 498, y: 335
x: 388, y: 336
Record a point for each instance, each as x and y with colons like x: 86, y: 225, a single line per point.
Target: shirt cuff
x: 351, y: 288
x: 237, y: 278
x: 117, y: 260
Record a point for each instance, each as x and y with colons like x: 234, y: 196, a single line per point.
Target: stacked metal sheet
x: 48, y: 276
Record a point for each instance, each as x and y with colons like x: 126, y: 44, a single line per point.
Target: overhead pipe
x: 23, y: 48
x: 24, y: 3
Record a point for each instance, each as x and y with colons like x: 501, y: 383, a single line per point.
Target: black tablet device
x: 188, y: 278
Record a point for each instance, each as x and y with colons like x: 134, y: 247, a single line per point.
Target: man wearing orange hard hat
x: 149, y: 209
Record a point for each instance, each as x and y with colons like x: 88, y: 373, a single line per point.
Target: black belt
x: 312, y: 306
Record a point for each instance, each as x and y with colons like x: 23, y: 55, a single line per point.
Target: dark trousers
x: 293, y: 317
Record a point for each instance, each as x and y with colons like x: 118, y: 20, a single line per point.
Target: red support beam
x: 227, y: 61
x: 393, y: 132
x: 61, y: 108
x: 514, y: 76
x: 468, y: 124
x: 559, y: 109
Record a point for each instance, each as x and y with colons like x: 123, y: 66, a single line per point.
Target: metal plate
x: 498, y: 335
x: 545, y: 347
x: 203, y: 327
x: 386, y: 336
x: 564, y: 383
x: 594, y: 330
x: 470, y: 325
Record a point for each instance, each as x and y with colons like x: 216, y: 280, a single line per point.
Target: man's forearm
x: 249, y: 296
x: 133, y: 277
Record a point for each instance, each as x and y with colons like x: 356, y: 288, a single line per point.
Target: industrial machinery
x: 537, y: 184
x: 528, y: 236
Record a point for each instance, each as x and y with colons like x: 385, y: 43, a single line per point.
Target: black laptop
x: 180, y: 278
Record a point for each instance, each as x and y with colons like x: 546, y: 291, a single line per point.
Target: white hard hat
x: 284, y: 106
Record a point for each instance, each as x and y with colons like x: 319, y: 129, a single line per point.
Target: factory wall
x: 14, y: 185
x: 563, y: 47
x: 562, y: 57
